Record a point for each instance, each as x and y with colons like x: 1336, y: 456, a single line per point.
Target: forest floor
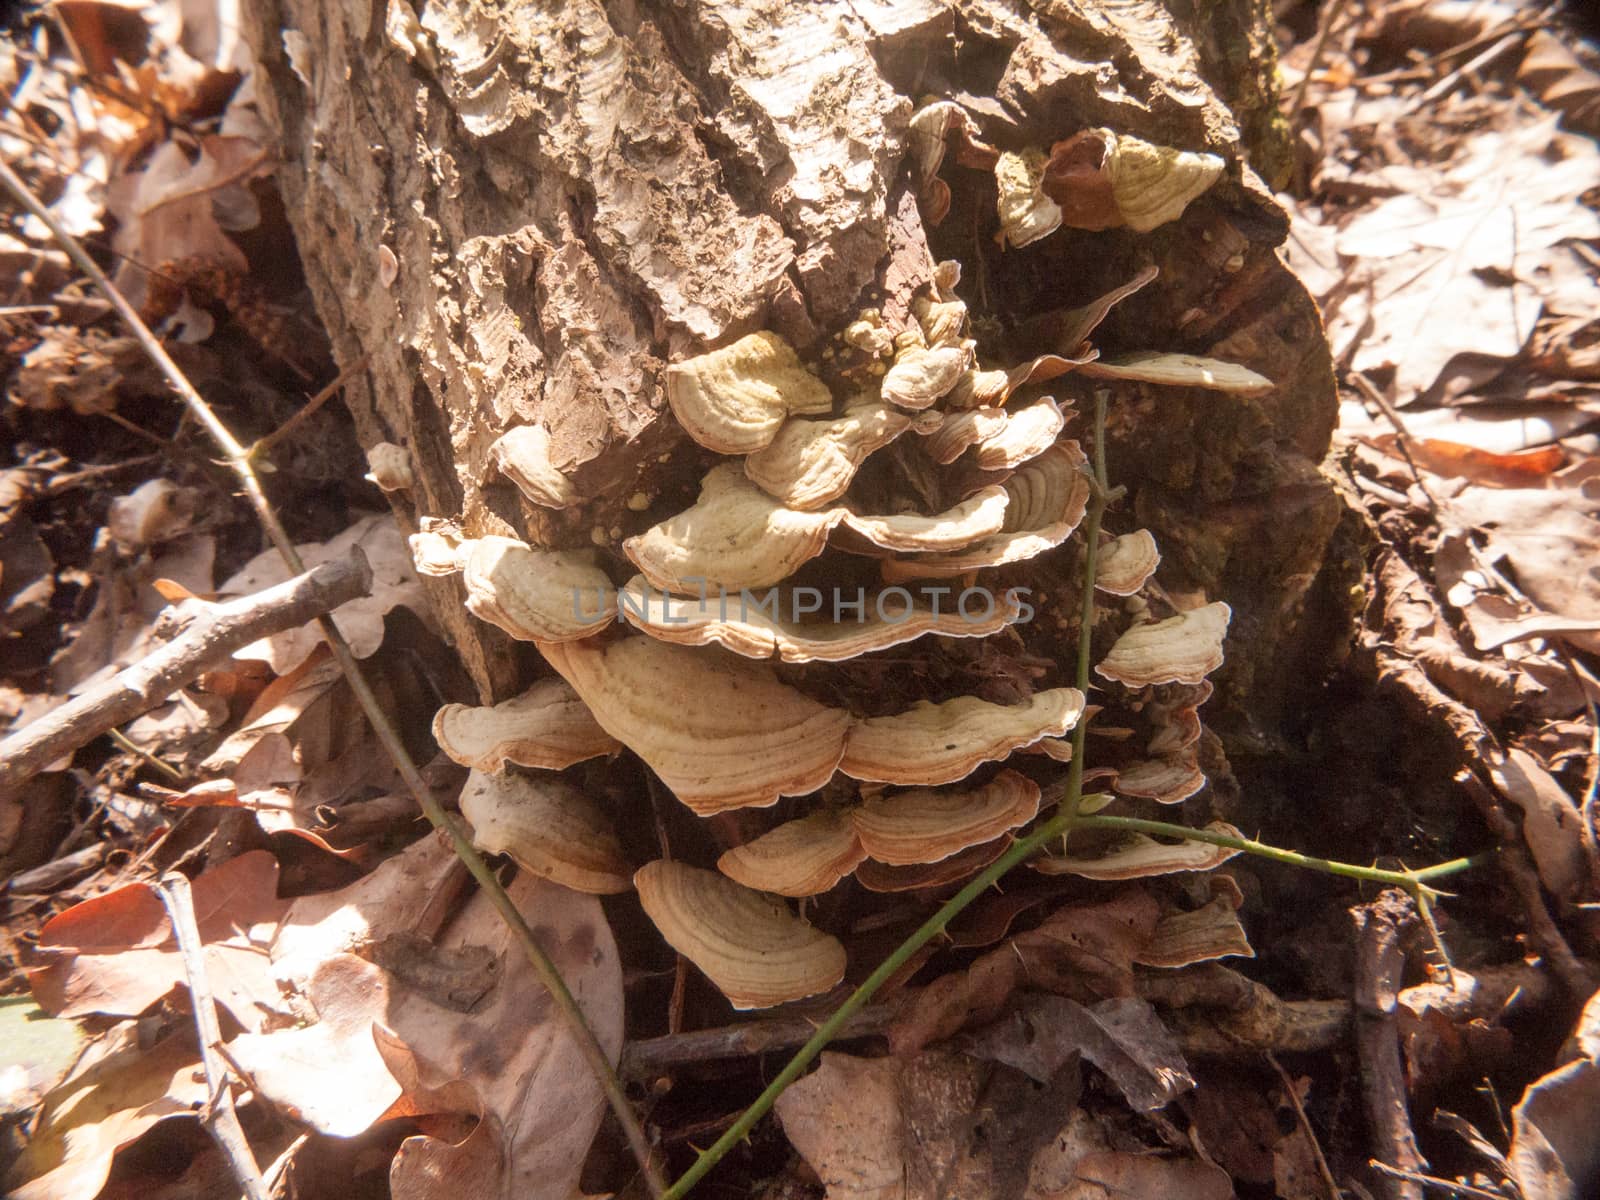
x: 1446, y: 204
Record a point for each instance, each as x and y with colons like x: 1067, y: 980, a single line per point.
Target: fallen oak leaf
x: 104, y: 1106
x: 117, y: 954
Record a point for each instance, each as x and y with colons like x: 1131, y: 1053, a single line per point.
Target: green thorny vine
x: 1071, y: 812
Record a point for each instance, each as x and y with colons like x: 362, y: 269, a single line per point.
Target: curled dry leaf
x: 931, y: 743
x: 1180, y: 370
x: 389, y: 466
x: 1026, y: 213
x: 1122, y: 1036
x: 547, y: 726
x: 549, y: 827
x: 979, y: 516
x: 522, y: 455
x: 804, y: 857
x: 536, y: 595
x: 1182, y: 649
x: 719, y: 730
x: 735, y: 536
x: 927, y: 825
x: 1046, y: 499
x: 753, y: 948
x: 1137, y: 856
x: 1085, y: 951
x: 811, y: 463
x: 734, y: 400
x: 758, y: 627
x: 116, y: 953
x: 1125, y: 564
x: 1004, y: 440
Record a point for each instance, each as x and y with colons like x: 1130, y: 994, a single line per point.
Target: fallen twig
x: 211, y: 637
x: 1380, y: 929
x: 1449, y: 1186
x: 239, y: 461
x: 219, y: 1117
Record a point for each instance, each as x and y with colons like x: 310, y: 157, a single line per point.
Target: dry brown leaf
x: 1554, y: 1154
x: 99, y: 1109
x: 1084, y: 951
x: 433, y: 1016
x: 1122, y: 1036
x: 1452, y: 263
x: 116, y: 953
x: 1551, y: 822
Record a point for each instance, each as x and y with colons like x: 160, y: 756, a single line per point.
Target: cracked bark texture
x: 575, y: 194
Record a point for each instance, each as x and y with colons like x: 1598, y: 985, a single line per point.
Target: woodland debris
x: 213, y: 633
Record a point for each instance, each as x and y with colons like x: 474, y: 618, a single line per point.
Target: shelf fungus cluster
x: 841, y: 515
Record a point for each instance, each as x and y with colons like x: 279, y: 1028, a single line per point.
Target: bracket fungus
x: 1125, y: 564
x: 735, y: 536
x: 811, y: 463
x: 932, y: 743
x: 549, y: 827
x: 534, y: 595
x: 752, y: 947
x: 1182, y: 649
x: 1046, y: 498
x: 721, y: 731
x: 1137, y: 856
x: 734, y: 400
x: 803, y: 857
x: 1180, y: 370
x: 1026, y: 213
x: 758, y: 628
x: 547, y: 726
x: 928, y: 825
x: 1004, y: 439
x: 522, y: 455
x: 389, y: 466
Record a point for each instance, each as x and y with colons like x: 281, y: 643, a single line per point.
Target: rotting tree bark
x: 523, y: 211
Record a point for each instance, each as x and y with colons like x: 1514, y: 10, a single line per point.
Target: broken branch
x: 211, y: 637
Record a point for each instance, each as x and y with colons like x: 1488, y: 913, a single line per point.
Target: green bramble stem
x: 859, y: 998
x: 1411, y: 881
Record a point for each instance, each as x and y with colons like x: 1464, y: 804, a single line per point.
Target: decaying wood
x: 577, y: 194
x: 212, y: 635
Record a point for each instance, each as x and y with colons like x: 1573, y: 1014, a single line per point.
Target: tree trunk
x: 523, y: 211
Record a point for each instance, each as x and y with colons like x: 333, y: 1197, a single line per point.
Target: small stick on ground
x: 219, y: 1117
x: 1448, y: 1186
x: 1381, y: 927
x: 212, y: 637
